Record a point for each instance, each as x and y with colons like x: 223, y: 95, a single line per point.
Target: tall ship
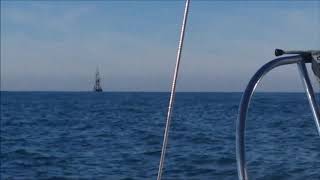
x: 97, y: 85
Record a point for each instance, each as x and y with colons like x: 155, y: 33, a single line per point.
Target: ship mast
x: 97, y: 85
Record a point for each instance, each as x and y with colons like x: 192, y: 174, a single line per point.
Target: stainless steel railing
x: 301, y: 60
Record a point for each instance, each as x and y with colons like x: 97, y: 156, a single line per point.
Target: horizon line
x: 81, y: 91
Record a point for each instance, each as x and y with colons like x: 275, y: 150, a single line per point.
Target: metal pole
x: 173, y: 90
x: 310, y: 93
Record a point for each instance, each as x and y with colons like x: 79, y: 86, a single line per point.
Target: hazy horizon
x: 57, y: 46
x: 90, y: 91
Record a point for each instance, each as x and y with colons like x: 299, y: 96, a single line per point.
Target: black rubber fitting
x: 278, y: 52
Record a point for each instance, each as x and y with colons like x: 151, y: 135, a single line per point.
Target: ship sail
x: 97, y: 85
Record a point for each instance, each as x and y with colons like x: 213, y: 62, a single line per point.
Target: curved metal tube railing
x: 246, y: 98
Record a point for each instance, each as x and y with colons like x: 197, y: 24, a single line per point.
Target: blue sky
x: 56, y: 46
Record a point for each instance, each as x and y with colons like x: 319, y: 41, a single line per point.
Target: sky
x: 57, y: 46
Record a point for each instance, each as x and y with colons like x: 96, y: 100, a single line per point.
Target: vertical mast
x: 173, y: 90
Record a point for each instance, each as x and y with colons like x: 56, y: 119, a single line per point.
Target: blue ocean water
x: 84, y: 135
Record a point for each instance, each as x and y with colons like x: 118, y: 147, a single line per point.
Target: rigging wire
x: 173, y: 90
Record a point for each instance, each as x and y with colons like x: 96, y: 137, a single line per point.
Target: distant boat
x: 97, y: 85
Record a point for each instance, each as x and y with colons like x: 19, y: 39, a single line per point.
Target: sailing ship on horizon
x: 97, y: 85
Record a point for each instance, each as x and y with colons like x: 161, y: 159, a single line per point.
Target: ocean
x: 118, y: 135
